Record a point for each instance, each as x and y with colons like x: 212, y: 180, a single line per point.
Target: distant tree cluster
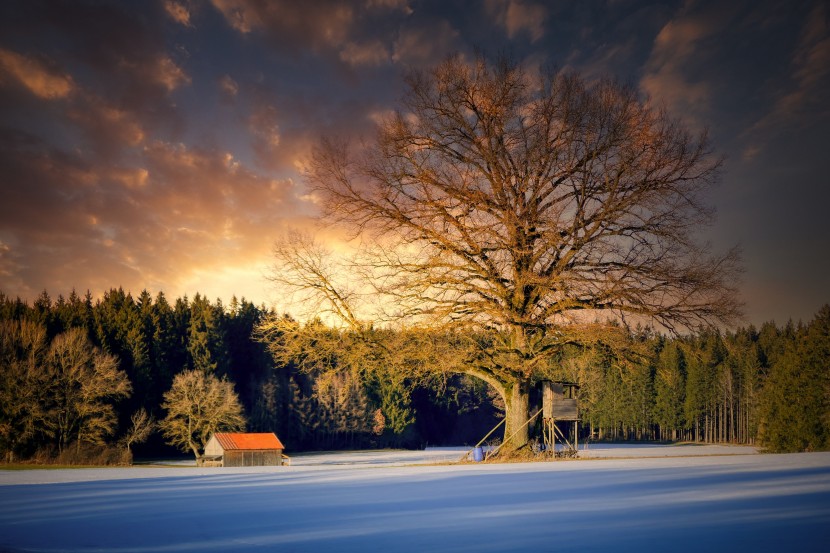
x: 78, y: 374
x: 58, y: 391
x: 767, y: 386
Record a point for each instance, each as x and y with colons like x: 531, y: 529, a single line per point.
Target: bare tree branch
x: 530, y: 208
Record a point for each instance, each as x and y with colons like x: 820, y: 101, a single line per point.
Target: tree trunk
x: 517, y: 402
x: 195, y: 449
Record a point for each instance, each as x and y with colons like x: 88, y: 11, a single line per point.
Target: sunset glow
x: 160, y: 145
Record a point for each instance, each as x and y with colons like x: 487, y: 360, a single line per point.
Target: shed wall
x: 253, y: 458
x: 213, y: 448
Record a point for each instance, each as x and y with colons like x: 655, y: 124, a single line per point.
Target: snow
x: 620, y: 498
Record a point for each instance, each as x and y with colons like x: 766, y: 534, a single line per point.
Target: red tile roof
x: 261, y: 440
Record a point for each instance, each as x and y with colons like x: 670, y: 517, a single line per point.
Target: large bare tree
x: 532, y: 206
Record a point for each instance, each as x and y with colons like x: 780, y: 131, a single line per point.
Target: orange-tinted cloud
x: 228, y: 88
x: 42, y: 79
x: 170, y: 222
x: 178, y: 12
x: 666, y: 78
x: 518, y: 17
x: 426, y: 44
x: 315, y: 24
x: 370, y: 53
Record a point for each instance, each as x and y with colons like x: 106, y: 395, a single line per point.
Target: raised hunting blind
x: 238, y: 449
x: 559, y: 405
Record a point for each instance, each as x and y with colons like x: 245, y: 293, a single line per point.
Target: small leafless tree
x: 197, y: 405
x: 142, y: 425
x: 531, y: 207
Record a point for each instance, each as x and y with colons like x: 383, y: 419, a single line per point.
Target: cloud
x: 172, y: 219
x: 288, y: 23
x: 178, y: 12
x: 107, y: 63
x: 802, y: 98
x: 42, y: 79
x: 165, y: 72
x: 400, y: 5
x: 371, y: 53
x: 107, y: 129
x: 666, y: 77
x: 263, y: 125
x: 345, y: 32
x: 518, y: 17
x: 239, y: 14
x: 228, y: 88
x: 426, y: 44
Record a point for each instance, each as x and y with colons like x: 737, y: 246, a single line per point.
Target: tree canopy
x: 199, y: 404
x: 532, y: 205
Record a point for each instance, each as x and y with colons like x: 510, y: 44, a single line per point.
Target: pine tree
x: 794, y: 400
x: 205, y: 338
x: 669, y: 390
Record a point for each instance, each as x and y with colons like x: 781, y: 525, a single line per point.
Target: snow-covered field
x: 623, y: 498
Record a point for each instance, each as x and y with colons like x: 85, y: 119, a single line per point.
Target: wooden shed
x: 243, y: 450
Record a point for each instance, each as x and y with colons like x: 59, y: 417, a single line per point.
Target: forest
x: 768, y: 386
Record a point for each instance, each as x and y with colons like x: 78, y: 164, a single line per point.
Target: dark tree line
x: 768, y: 386
x: 152, y: 340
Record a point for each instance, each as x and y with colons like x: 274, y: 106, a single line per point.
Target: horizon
x: 226, y: 302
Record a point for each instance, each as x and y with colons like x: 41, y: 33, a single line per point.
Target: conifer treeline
x: 769, y: 385
x: 154, y: 339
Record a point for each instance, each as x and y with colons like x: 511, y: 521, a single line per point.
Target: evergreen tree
x: 395, y: 403
x: 206, y: 344
x: 167, y: 349
x: 669, y: 389
x: 794, y: 400
x: 41, y: 313
x: 745, y: 363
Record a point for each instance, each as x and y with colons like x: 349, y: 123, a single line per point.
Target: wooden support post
x: 501, y: 422
x: 493, y: 453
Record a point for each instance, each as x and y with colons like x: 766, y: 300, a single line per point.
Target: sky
x: 160, y: 144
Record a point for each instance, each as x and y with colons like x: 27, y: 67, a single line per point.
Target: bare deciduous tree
x: 23, y: 349
x: 198, y: 405
x: 142, y: 425
x: 530, y: 207
x: 83, y: 383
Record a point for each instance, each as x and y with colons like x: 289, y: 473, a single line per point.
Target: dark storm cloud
x: 160, y: 144
x: 328, y: 27
x: 97, y: 191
